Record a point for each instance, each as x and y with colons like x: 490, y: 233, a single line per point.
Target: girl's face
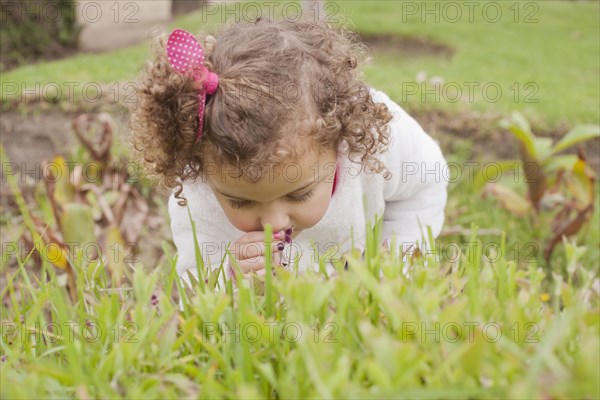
x: 294, y: 194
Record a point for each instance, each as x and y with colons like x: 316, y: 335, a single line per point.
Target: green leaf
x: 565, y: 162
x: 266, y: 370
x: 481, y: 176
x: 116, y: 250
x: 578, y: 134
x: 269, y: 295
x: 581, y: 184
x: 63, y: 191
x: 519, y: 127
x: 509, y: 199
x: 77, y: 224
x: 543, y: 148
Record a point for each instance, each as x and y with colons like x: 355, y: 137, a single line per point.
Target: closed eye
x: 238, y: 203
x: 303, y: 197
x: 245, y: 203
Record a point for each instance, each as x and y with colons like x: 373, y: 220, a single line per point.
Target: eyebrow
x: 295, y: 191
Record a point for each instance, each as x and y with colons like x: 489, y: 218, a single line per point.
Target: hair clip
x: 187, y: 56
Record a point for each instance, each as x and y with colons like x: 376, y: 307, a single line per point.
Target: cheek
x: 312, y: 212
x: 241, y: 219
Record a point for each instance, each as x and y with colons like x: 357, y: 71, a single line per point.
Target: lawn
x: 513, y: 56
x: 529, y: 54
x: 485, y: 315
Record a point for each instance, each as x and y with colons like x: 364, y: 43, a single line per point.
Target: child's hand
x: 250, y: 252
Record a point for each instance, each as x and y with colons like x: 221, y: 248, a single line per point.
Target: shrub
x: 31, y: 30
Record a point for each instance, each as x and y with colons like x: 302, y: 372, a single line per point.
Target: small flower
x: 288, y: 235
x: 545, y: 297
x: 3, y: 358
x: 154, y: 299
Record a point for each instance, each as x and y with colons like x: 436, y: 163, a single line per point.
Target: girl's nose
x: 278, y: 222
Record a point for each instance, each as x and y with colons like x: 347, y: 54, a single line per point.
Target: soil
x: 406, y: 46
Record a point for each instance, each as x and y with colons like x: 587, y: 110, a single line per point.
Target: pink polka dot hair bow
x: 187, y: 56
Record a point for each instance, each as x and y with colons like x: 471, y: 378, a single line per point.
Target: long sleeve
x: 416, y: 195
x: 210, y: 236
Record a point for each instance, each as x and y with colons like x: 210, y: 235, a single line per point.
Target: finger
x: 248, y: 276
x: 258, y: 263
x: 255, y: 249
x: 255, y: 236
x: 262, y: 272
x: 252, y: 264
x: 277, y: 258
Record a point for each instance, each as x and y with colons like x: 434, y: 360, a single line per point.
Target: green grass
x: 480, y: 318
x: 465, y: 329
x: 559, y: 58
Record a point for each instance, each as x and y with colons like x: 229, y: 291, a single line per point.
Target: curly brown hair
x: 281, y: 84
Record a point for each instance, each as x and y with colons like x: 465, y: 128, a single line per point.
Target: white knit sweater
x: 411, y: 200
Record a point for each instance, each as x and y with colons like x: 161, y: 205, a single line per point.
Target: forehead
x: 276, y: 179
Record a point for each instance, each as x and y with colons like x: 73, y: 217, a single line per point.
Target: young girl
x: 271, y: 123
